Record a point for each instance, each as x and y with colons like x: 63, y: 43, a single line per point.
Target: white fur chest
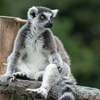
x: 36, y: 60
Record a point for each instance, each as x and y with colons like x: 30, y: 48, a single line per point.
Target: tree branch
x: 19, y: 87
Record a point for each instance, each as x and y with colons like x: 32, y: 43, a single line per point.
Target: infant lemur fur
x: 38, y: 53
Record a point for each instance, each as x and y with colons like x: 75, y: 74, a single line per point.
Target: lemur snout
x: 49, y: 24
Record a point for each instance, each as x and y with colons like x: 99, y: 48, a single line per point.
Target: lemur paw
x: 41, y: 91
x: 4, y: 79
x: 14, y: 75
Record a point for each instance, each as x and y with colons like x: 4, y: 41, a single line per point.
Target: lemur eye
x: 42, y: 17
x: 51, y: 18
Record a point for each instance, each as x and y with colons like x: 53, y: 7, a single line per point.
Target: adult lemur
x: 38, y: 53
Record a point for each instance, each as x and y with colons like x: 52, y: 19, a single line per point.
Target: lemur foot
x: 21, y: 75
x: 14, y: 75
x: 41, y: 91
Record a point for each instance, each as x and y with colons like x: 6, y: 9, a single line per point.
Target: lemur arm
x: 18, y: 50
x: 12, y: 62
x: 55, y: 58
x: 50, y: 49
x: 15, y: 57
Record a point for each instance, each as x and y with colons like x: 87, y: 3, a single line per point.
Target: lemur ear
x: 32, y: 12
x: 55, y: 12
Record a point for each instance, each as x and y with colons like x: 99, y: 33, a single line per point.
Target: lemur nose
x: 50, y: 23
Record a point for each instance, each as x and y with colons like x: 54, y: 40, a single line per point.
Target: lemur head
x: 41, y: 16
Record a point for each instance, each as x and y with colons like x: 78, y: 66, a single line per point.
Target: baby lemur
x: 38, y: 53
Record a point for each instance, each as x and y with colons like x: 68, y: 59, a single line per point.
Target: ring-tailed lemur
x: 37, y: 52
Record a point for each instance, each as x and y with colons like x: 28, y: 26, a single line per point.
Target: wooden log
x: 19, y: 87
x: 9, y: 27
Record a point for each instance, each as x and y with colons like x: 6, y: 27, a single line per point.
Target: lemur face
x: 42, y: 16
x: 46, y: 19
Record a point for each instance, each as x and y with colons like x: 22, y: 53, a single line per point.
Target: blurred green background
x: 78, y: 27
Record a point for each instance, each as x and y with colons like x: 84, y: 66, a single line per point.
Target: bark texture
x: 19, y: 87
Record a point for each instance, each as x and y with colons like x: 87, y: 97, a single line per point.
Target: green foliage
x: 78, y: 27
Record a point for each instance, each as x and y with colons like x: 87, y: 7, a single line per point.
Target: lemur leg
x: 22, y: 71
x: 51, y: 76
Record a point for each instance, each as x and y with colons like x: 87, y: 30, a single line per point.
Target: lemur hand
x: 4, y: 78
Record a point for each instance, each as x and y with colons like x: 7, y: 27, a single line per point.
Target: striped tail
x: 68, y: 88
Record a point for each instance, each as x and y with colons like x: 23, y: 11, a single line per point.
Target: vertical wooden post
x: 8, y: 30
x: 9, y: 27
